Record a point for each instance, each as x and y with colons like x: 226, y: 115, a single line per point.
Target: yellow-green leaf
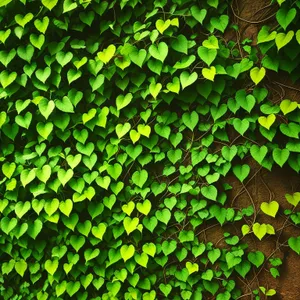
x: 257, y: 74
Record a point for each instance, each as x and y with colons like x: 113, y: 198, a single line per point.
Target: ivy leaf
x: 285, y: 16
x: 298, y: 36
x: 192, y: 267
x: 154, y: 89
x: 294, y: 243
x: 96, y: 82
x: 220, y: 23
x: 5, y: 2
x: 256, y: 258
x: 291, y: 129
x: 209, y: 73
x: 164, y: 215
x: 241, y: 171
x: 180, y: 44
x: 87, y: 17
x: 283, y: 39
x: 144, y: 207
x: 107, y: 54
x: 138, y: 56
x: 122, y: 101
x: 210, y: 192
x: 44, y: 129
x: 264, y: 35
x: 7, y: 57
x: 23, y: 20
x: 51, y: 266
x: 268, y: 121
x: 258, y: 153
x: 270, y: 208
x: 218, y: 112
x: 21, y: 267
x: 185, y: 62
x: 211, y: 43
x: 7, y: 79
x: 139, y: 178
x: 198, y: 14
x: 50, y: 4
x: 77, y: 242
x: 293, y: 199
x: 280, y: 156
x: 260, y: 230
x: 162, y: 130
x: 257, y: 74
x: 42, y: 25
x: 99, y: 230
x: 187, y: 79
x: 162, y: 25
x: 213, y: 3
x: 168, y: 247
x: 232, y: 260
x: 241, y: 126
x: 73, y: 75
x: 213, y: 255
x: 37, y: 40
x: 207, y: 55
x: 190, y: 119
x: 174, y: 86
x: 4, y: 35
x: 165, y: 289
x: 247, y: 102
x: 7, y: 224
x: 160, y: 52
x: 288, y: 106
x: 229, y: 152
x: 130, y: 225
x: 270, y: 63
x: 43, y: 74
x: 63, y: 58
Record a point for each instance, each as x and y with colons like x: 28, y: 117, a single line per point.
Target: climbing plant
x: 120, y: 124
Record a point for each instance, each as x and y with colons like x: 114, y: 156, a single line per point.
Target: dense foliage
x: 120, y: 122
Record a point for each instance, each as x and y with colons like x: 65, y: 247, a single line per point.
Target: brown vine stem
x: 238, y: 38
x: 128, y: 170
x: 188, y: 150
x: 245, y: 283
x: 241, y: 191
x: 280, y: 95
x: 250, y: 21
x: 261, y: 268
x: 252, y: 202
x: 199, y: 138
x: 245, y: 295
x: 287, y: 86
x: 207, y: 228
x: 239, y: 136
x: 270, y: 192
x: 284, y: 226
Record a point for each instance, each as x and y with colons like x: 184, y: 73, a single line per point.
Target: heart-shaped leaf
x: 285, y: 16
x: 107, y: 54
x: 294, y: 244
x: 260, y: 230
x: 270, y: 209
x: 257, y: 74
x: 268, y: 121
x: 209, y: 73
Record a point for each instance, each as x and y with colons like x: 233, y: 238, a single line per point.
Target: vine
x: 130, y: 130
